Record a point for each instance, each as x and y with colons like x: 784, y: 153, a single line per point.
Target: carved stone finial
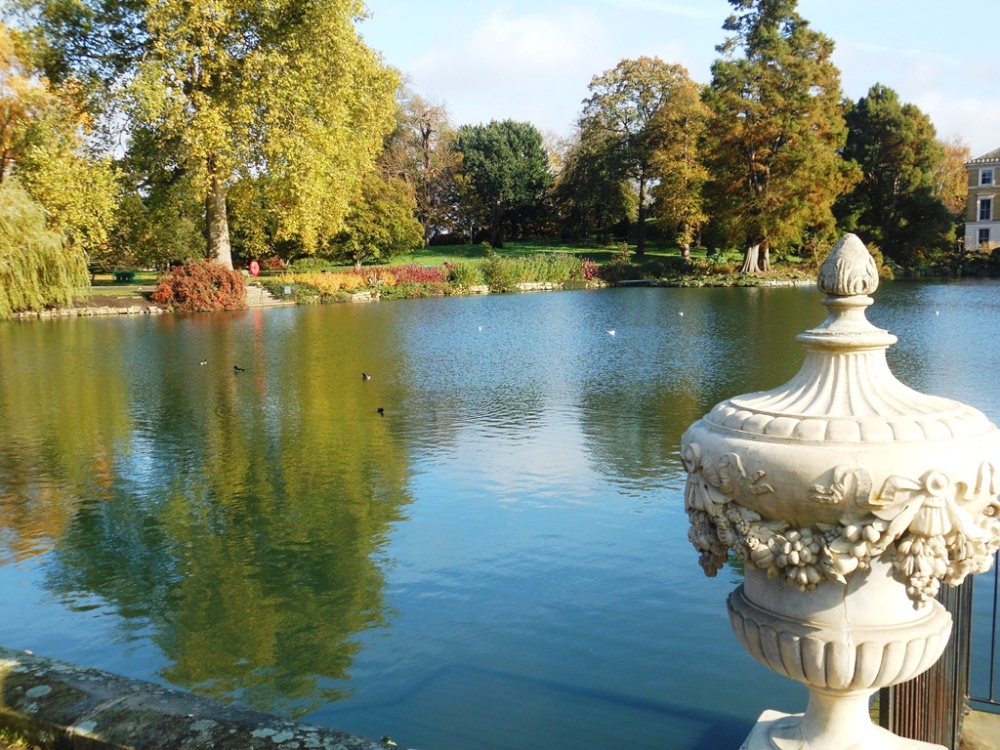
x: 849, y: 270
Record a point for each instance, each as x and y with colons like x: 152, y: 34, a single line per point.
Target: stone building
x: 982, y: 216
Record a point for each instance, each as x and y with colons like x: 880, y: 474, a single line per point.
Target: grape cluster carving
x: 920, y: 525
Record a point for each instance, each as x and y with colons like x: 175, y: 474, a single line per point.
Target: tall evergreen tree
x: 895, y: 204
x: 776, y: 130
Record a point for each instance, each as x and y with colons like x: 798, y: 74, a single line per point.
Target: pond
x: 498, y: 559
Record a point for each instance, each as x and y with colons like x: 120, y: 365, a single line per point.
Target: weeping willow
x: 36, y: 269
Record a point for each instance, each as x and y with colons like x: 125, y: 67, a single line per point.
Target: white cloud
x: 536, y: 66
x: 526, y: 67
x: 971, y: 118
x: 704, y: 11
x: 942, y: 86
x: 909, y: 69
x: 505, y: 46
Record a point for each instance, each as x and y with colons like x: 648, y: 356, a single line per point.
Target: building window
x: 985, y: 209
x: 985, y: 176
x: 984, y: 237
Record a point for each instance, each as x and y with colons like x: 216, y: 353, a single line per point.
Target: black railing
x: 984, y: 678
x: 931, y: 706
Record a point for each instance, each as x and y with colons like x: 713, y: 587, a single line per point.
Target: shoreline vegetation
x: 454, y: 270
x: 430, y: 272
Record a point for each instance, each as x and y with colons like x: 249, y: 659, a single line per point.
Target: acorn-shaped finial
x: 849, y: 270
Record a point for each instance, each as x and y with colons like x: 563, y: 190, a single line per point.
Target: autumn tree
x: 620, y: 120
x: 776, y: 128
x: 23, y: 103
x: 57, y: 198
x: 506, y: 170
x: 380, y: 224
x: 420, y: 151
x: 894, y: 205
x: 285, y: 92
x: 42, y: 142
x: 951, y: 179
x: 679, y: 165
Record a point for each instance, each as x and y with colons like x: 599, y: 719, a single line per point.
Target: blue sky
x: 531, y: 60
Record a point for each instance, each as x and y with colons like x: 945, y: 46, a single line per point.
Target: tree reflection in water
x: 239, y: 519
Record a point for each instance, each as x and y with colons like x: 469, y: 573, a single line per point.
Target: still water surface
x: 499, y: 561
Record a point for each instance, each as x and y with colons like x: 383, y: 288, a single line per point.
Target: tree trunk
x: 496, y: 232
x: 425, y: 181
x: 686, y: 251
x: 756, y: 259
x: 750, y: 258
x: 216, y: 221
x: 640, y: 235
x: 6, y: 164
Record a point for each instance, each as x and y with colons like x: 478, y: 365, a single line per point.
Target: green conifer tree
x: 775, y: 132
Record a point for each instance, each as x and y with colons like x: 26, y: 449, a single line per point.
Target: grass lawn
x: 105, y: 283
x: 435, y: 256
x: 139, y: 278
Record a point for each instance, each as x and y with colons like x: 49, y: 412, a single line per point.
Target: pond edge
x: 52, y: 704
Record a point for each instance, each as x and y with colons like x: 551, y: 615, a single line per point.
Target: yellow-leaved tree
x: 284, y: 93
x: 57, y: 196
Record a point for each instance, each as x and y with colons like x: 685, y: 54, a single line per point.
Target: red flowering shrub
x: 201, y: 286
x: 414, y: 274
x: 590, y: 269
x: 411, y: 274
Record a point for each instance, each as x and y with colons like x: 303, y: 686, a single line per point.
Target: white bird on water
x: 611, y: 332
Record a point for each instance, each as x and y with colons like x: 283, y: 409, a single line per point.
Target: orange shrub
x: 201, y: 286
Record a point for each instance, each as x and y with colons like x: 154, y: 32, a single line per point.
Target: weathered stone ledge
x: 88, y: 312
x: 54, y: 704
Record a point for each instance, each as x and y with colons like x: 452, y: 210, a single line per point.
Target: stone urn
x: 848, y: 498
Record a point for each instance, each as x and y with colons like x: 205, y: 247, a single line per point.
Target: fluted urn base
x: 844, y: 642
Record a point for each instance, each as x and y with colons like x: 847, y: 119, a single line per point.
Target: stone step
x: 258, y: 296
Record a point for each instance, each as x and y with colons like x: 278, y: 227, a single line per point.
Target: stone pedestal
x: 777, y: 731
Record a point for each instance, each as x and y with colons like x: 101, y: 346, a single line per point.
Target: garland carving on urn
x: 921, y: 523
